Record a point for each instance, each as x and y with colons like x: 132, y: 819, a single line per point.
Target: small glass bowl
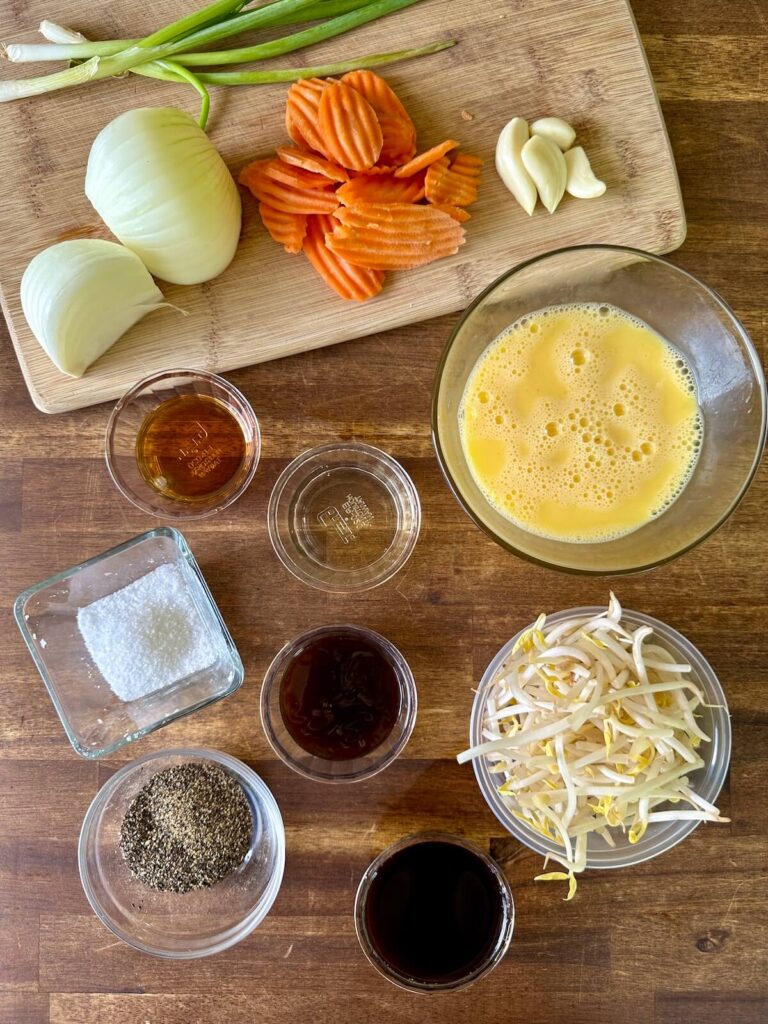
x: 322, y: 769
x: 383, y: 966
x: 131, y: 412
x: 179, y: 926
x: 344, y: 517
x: 95, y: 720
x: 707, y: 781
x: 729, y: 377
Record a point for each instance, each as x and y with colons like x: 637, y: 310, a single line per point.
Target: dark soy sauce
x: 340, y: 697
x: 434, y: 912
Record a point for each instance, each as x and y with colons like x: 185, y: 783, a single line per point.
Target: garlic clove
x: 509, y: 164
x: 556, y: 130
x: 581, y: 181
x: 546, y: 165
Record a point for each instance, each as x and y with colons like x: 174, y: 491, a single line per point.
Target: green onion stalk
x: 170, y: 71
x: 169, y: 53
x: 77, y: 47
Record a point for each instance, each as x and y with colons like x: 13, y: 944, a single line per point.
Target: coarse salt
x: 147, y: 635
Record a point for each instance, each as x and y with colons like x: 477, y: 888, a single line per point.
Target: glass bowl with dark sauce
x: 338, y: 703
x: 433, y: 912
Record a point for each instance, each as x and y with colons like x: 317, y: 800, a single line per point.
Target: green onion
x: 179, y: 72
x: 272, y: 15
x: 184, y: 26
x: 295, y: 74
x: 166, y: 53
x: 298, y: 40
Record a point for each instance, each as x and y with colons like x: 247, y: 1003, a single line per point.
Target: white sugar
x: 147, y: 635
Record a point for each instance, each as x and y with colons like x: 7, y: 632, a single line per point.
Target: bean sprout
x: 591, y: 726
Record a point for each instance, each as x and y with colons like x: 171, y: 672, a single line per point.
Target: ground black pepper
x: 187, y: 828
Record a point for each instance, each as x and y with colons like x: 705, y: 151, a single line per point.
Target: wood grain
x: 515, y: 57
x: 680, y: 940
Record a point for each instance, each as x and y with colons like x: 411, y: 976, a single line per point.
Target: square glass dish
x: 97, y: 721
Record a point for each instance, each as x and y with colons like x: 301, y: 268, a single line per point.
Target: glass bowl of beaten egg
x: 599, y: 410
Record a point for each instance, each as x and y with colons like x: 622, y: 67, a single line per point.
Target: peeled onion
x: 162, y: 188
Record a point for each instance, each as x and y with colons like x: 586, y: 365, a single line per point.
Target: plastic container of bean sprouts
x: 706, y: 781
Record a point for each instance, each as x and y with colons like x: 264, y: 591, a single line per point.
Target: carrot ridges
x: 397, y: 129
x: 393, y: 236
x: 349, y: 129
x: 351, y: 192
x: 348, y: 281
x: 301, y: 113
x: 287, y: 229
x: 288, y: 198
x: 454, y: 183
x: 381, y: 188
x: 312, y: 162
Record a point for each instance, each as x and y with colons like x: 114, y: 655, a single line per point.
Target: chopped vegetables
x: 453, y: 183
x: 287, y: 229
x: 260, y: 177
x: 381, y: 188
x: 592, y: 726
x: 424, y: 160
x: 349, y: 127
x: 311, y: 162
x: 397, y: 129
x: 394, y: 236
x: 347, y: 280
x: 370, y: 204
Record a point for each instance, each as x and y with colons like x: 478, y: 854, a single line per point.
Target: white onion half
x: 80, y: 296
x: 162, y: 188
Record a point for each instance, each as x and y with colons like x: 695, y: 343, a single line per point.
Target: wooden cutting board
x: 580, y: 59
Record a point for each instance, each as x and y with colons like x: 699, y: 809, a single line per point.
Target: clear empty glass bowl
x: 199, y: 451
x: 707, y: 781
x: 729, y: 377
x: 344, y: 517
x: 97, y: 721
x: 179, y: 926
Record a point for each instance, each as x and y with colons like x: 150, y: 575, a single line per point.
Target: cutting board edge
x: 37, y: 399
x: 663, y: 125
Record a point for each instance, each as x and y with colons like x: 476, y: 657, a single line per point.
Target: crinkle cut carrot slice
x: 301, y: 114
x: 397, y: 129
x: 457, y: 212
x: 312, y: 162
x: 287, y: 229
x: 399, y: 141
x: 376, y: 169
x: 348, y: 281
x: 424, y: 160
x: 296, y: 177
x: 284, y: 197
x: 394, y: 236
x: 349, y: 129
x: 453, y: 184
x: 381, y: 188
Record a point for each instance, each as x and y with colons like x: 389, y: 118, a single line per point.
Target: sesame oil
x: 190, y: 447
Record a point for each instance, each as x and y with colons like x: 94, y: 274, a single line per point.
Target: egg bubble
x: 573, y: 421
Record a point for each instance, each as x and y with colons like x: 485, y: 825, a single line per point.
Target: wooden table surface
x: 683, y: 938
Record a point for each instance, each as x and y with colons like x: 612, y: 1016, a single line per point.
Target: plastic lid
x: 344, y: 517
